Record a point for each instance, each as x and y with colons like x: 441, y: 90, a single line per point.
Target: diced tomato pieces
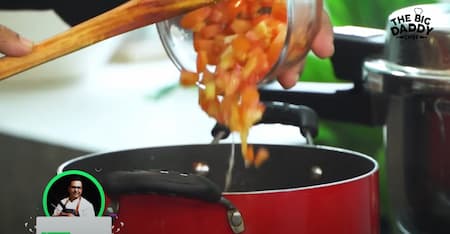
x: 226, y: 59
x: 266, y: 3
x: 240, y: 25
x: 211, y: 30
x: 192, y: 19
x: 234, y: 8
x: 279, y: 10
x: 202, y: 60
x: 239, y: 41
x: 210, y: 91
x: 261, y: 156
x: 217, y: 16
x: 241, y: 45
x: 276, y: 46
x: 250, y: 67
x: 250, y: 97
x: 188, y: 78
x: 250, y: 156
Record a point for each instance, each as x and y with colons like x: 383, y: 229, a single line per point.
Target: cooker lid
x: 386, y: 77
x: 418, y: 36
x: 417, y: 52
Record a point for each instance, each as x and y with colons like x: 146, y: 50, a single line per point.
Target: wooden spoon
x: 126, y: 17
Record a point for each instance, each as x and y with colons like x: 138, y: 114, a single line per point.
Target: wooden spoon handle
x: 126, y: 17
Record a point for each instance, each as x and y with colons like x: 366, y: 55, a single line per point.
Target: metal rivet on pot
x: 201, y: 168
x: 236, y: 219
x: 316, y: 172
x: 98, y: 170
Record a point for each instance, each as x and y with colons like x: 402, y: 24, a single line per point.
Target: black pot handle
x: 296, y: 115
x: 278, y: 112
x: 170, y: 183
x: 162, y: 182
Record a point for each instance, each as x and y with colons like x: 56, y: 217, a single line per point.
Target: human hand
x: 12, y: 44
x: 322, y: 46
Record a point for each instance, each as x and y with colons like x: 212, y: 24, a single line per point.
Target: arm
x: 57, y: 210
x: 72, y: 12
x: 86, y: 209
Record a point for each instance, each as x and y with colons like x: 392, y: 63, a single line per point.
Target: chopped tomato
x: 203, y: 44
x: 193, y: 19
x: 279, y: 10
x: 261, y: 156
x: 211, y: 30
x: 217, y: 16
x: 249, y: 156
x: 250, y: 97
x: 234, y: 8
x: 188, y: 78
x: 241, y: 40
x: 240, y: 25
x: 202, y: 60
x: 276, y: 46
x: 241, y: 45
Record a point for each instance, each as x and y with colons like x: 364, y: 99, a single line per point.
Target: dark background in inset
x: 59, y: 191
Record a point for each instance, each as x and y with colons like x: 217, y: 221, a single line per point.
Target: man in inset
x: 75, y: 204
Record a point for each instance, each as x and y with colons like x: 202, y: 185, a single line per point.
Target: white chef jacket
x: 85, y: 209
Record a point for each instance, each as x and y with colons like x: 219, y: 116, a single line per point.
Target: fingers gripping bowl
x: 302, y: 22
x: 229, y: 48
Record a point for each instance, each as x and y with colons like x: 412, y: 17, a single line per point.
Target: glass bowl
x: 303, y: 20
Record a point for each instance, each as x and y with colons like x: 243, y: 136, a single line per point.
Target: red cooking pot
x: 177, y: 189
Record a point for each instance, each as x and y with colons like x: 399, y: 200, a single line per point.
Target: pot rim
x: 340, y: 182
x: 373, y: 171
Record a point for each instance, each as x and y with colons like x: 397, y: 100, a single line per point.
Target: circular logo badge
x: 73, y: 193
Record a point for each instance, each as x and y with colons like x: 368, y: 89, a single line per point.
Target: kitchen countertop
x: 116, y: 107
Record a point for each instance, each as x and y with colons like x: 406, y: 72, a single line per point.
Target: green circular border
x: 74, y: 172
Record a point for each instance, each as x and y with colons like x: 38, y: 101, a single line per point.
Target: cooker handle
x: 165, y: 182
x: 353, y: 45
x: 284, y: 113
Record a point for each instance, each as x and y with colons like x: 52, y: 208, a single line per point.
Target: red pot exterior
x: 345, y: 207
